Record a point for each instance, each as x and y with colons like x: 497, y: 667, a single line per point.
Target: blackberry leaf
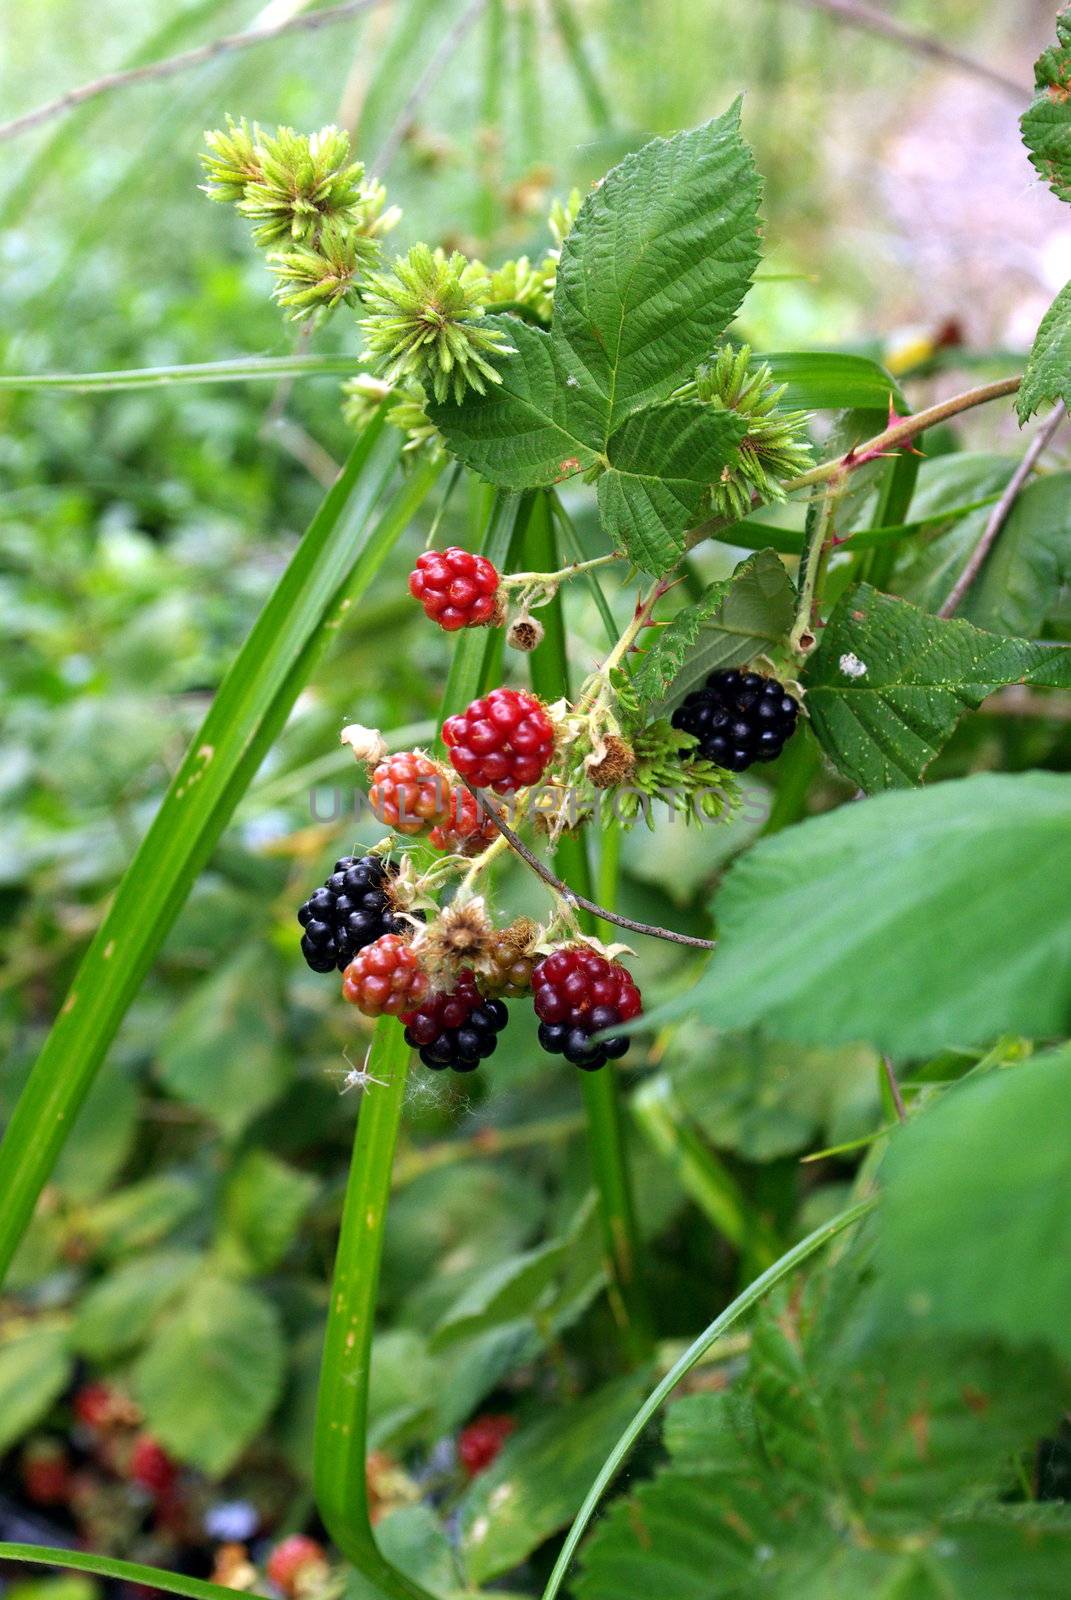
x: 736, y: 618
x: 889, y: 683
x: 1048, y: 369
x: 1046, y: 125
x: 662, y: 463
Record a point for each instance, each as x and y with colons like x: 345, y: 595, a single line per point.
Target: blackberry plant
x: 882, y: 962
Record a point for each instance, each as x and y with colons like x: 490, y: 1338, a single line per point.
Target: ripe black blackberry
x: 738, y: 717
x: 456, y: 1028
x: 352, y: 910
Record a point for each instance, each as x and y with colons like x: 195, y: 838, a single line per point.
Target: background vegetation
x: 182, y: 1250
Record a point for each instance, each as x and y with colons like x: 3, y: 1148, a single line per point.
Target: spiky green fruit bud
x: 776, y: 444
x: 423, y: 323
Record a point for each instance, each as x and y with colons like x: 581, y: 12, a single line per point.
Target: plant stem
x: 801, y: 639
x: 342, y: 1404
x: 515, y: 580
x: 563, y: 888
x: 242, y: 369
x: 902, y: 431
x: 609, y: 1161
x: 1002, y: 511
x: 743, y: 1303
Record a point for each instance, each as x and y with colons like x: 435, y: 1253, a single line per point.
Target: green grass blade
x: 598, y: 106
x: 342, y: 1406
x: 242, y: 369
x: 108, y: 1567
x: 743, y: 1303
x: 338, y: 556
x: 621, y: 1240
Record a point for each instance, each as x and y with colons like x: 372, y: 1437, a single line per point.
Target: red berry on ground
x: 385, y: 978
x: 456, y: 588
x: 410, y: 792
x: 578, y: 993
x: 480, y: 1442
x: 46, y: 1472
x: 502, y: 742
x: 296, y: 1563
x: 467, y: 829
x: 150, y: 1465
x: 96, y: 1405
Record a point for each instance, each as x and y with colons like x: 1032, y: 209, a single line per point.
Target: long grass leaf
x: 338, y: 556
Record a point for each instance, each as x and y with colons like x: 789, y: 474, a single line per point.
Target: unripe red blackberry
x: 385, y: 978
x: 456, y: 588
x: 150, y: 1465
x: 478, y: 1445
x: 350, y: 911
x: 467, y: 829
x: 579, y: 993
x: 456, y: 1028
x: 297, y: 1564
x: 410, y: 792
x: 738, y: 718
x: 502, y: 742
x: 46, y: 1472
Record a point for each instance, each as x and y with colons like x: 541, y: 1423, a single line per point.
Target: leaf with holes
x: 888, y: 683
x: 733, y: 621
x: 662, y: 461
x: 1046, y: 124
x: 827, y: 1478
x: 1048, y: 369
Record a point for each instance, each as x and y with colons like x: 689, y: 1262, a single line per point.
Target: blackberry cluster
x: 352, y: 910
x: 578, y: 993
x: 738, y: 718
x: 456, y: 1028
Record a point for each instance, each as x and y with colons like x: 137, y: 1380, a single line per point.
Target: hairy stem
x: 801, y: 639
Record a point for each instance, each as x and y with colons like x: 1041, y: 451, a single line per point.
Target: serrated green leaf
x: 118, y: 1312
x: 1046, y: 124
x: 910, y: 921
x: 263, y: 1204
x: 222, y: 1051
x: 656, y: 266
x: 212, y: 1373
x: 975, y: 1229
x: 734, y: 620
x: 1048, y: 369
x: 888, y: 683
x: 34, y: 1371
x: 510, y: 1289
x: 536, y: 1484
x: 662, y: 462
x: 531, y: 430
x: 826, y: 1478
